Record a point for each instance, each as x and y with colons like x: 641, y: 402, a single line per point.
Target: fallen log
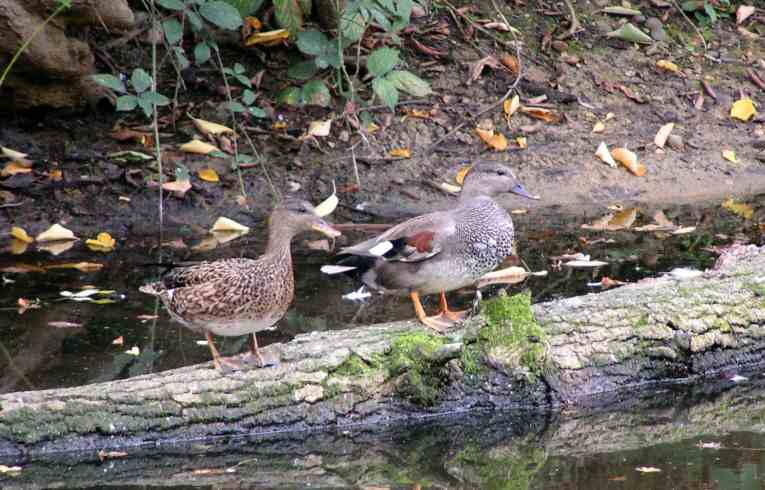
x: 575, y: 352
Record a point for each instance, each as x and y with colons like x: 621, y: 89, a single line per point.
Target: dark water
x: 35, y: 354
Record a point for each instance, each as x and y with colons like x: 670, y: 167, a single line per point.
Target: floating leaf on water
x: 56, y: 248
x: 20, y: 234
x: 102, y: 243
x: 401, y: 153
x: 496, y: 141
x: 18, y: 247
x: 207, y: 127
x: 328, y: 205
x: 226, y: 224
x: 739, y: 208
x: 730, y: 155
x: 56, y: 233
x: 605, y: 155
x: 743, y: 109
x: 320, y: 128
x: 198, y: 147
x: 662, y: 134
x: 208, y: 175
x: 647, y: 469
x: 63, y: 324
x: 630, y: 160
x: 13, y: 168
x: 80, y: 266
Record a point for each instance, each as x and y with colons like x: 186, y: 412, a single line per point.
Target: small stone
x: 675, y: 141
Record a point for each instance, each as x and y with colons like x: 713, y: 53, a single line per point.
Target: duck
x: 441, y: 251
x: 240, y: 296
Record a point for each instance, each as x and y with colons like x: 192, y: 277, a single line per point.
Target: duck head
x: 298, y: 216
x: 491, y: 179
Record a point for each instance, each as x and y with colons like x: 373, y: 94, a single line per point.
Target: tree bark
x: 588, y: 351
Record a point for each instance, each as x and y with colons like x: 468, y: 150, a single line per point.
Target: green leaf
x: 221, y: 14
x: 147, y: 106
x: 195, y: 20
x: 312, y: 43
x: 182, y: 172
x: 248, y: 97
x: 306, y: 7
x: 238, y: 68
x: 381, y: 61
x: 404, y: 9
x: 387, y: 5
x: 180, y: 55
x: 352, y: 26
x: 140, y: 80
x: 290, y: 96
x: 110, y: 81
x: 409, y: 82
x: 235, y: 106
x: 257, y: 112
x: 244, y: 80
x: 316, y: 92
x: 711, y: 12
x: 692, y: 5
x: 171, y: 4
x: 202, y: 53
x: 303, y: 70
x: 155, y: 98
x: 386, y: 91
x: 381, y: 19
x: 173, y: 31
x: 289, y: 15
x: 127, y: 102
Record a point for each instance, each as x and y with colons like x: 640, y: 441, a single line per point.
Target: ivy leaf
x: 386, y: 91
x: 312, y: 43
x: 409, y: 82
x: 222, y: 14
x: 235, y: 106
x: 180, y: 55
x: 303, y: 70
x: 289, y: 15
x: 404, y: 9
x: 257, y: 112
x: 381, y: 61
x: 290, y: 96
x: 155, y: 98
x: 352, y: 25
x: 239, y: 68
x: 316, y: 92
x: 173, y: 31
x: 140, y: 80
x: 195, y: 20
x: 110, y: 81
x: 127, y: 102
x: 710, y: 11
x: 248, y: 97
x: 171, y: 4
x: 244, y: 80
x: 202, y: 53
x: 146, y: 105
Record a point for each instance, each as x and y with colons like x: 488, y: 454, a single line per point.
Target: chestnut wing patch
x: 422, y: 242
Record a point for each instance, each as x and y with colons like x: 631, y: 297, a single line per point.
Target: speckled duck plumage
x: 239, y: 296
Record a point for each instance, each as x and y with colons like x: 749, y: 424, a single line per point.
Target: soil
x: 99, y: 194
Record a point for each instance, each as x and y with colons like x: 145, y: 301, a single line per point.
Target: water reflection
x: 36, y: 355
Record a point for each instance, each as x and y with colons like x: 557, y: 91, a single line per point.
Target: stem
x: 63, y: 5
x: 155, y: 122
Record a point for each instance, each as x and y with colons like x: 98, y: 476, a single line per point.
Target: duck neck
x: 279, y: 239
x: 470, y: 192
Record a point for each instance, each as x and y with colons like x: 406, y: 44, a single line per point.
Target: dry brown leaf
x: 510, y: 106
x: 18, y: 247
x: 56, y: 233
x: 546, y: 115
x: 462, y: 173
x: 622, y: 220
x: 104, y: 455
x: 208, y: 175
x: 401, y: 153
x: 668, y: 66
x: 662, y: 134
x: 510, y: 275
x: 56, y: 248
x: 743, y: 12
x: 730, y: 155
x: 522, y: 142
x: 496, y: 141
x: 599, y: 127
x: 13, y: 168
x: 511, y: 62
x: 630, y: 160
x: 477, y: 68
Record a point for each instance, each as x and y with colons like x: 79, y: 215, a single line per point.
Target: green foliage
x: 289, y: 15
x: 142, y: 97
x: 246, y: 102
x: 707, y: 12
x: 246, y: 7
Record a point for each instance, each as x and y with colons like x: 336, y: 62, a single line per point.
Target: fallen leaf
x: 178, y: 187
x: 198, y: 147
x: 743, y: 13
x: 545, y: 115
x: 743, y: 109
x: 630, y: 160
x: 401, y: 153
x: 498, y: 26
x: 63, y: 324
x: 211, y: 128
x: 730, y: 155
x: 668, y: 66
x: 328, y: 205
x: 226, y: 236
x: 522, y: 142
x: 451, y: 189
x: 18, y: 247
x: 462, y: 173
x: 145, y: 318
x: 56, y: 233
x: 13, y: 168
x: 599, y: 127
x: 647, y: 469
x: 134, y: 351
x: 496, y: 141
x: 739, y: 208
x: 208, y: 175
x: 4, y: 470
x: 57, y: 247
x: 605, y: 155
x: 319, y: 128
x: 585, y: 264
x: 102, y: 243
x: 662, y: 134
x: 126, y: 134
x: 119, y: 340
x: 477, y: 67
x: 80, y: 266
x: 104, y: 455
x: 708, y: 445
x: 15, y: 155
x: 26, y: 304
x: 20, y: 234
x: 510, y: 275
x: 511, y: 62
x: 22, y: 268
x: 268, y: 38
x: 511, y: 105
x: 320, y: 245
x: 56, y: 175
x: 622, y: 220
x: 226, y: 224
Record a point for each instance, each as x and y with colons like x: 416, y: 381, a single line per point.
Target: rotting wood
x: 577, y: 351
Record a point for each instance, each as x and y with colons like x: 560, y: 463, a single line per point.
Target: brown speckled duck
x: 441, y: 251
x: 240, y: 296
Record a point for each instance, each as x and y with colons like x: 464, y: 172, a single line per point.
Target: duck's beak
x: 521, y: 191
x: 325, y: 228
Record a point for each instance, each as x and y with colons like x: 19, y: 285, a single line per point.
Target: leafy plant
x: 707, y: 11
x: 143, y: 97
x: 247, y: 100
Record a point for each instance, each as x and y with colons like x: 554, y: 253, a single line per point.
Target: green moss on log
x: 412, y: 358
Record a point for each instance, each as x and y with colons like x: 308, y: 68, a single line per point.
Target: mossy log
x: 576, y: 352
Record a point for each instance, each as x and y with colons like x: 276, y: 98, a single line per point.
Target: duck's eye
x: 501, y: 171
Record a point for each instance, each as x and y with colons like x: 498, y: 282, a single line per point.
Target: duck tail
x: 352, y: 265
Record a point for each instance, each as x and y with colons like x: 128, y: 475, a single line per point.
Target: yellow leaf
x: 55, y: 233
x: 18, y: 247
x: 13, y: 168
x: 268, y: 38
x: 511, y: 105
x: 328, y: 205
x: 280, y: 125
x: 254, y: 23
x: 741, y: 209
x: 521, y: 140
x: 372, y: 128
x: 494, y: 140
x: 545, y: 115
x: 80, y: 266
x: 668, y: 66
x: 207, y: 127
x: 622, y: 220
x: 102, y: 243
x: 56, y: 175
x: 320, y: 128
x: 462, y: 173
x: 208, y: 175
x: 729, y: 155
x: 20, y: 234
x: 630, y: 160
x: 401, y: 152
x: 743, y: 109
x: 599, y: 127
x: 198, y: 147
x: 225, y: 224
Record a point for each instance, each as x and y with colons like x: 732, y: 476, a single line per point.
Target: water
x: 489, y: 451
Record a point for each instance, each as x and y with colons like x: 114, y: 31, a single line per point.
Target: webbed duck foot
x: 256, y: 358
x: 227, y: 365
x: 445, y: 318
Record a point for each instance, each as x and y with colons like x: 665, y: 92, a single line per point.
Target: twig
x: 355, y: 167
x: 755, y: 79
x: 694, y: 26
